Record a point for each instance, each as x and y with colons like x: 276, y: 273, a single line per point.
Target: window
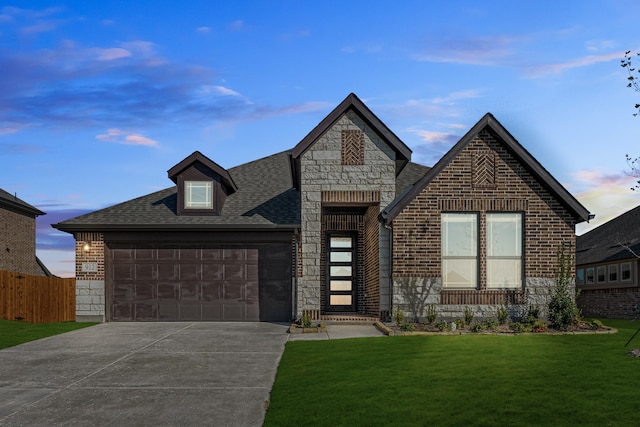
x: 198, y: 195
x: 459, y: 250
x: 504, y: 250
x: 601, y: 275
x: 580, y: 276
x: 590, y: 276
x: 613, y: 272
x: 625, y: 271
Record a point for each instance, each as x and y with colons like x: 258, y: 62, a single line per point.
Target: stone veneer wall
x: 322, y: 171
x: 90, y: 286
x: 18, y: 242
x: 483, y: 178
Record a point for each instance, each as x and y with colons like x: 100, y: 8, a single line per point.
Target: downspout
x: 390, y: 228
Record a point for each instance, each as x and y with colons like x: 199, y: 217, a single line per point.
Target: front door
x: 341, y: 273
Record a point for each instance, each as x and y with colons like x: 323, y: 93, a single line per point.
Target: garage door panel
x: 189, y: 292
x: 170, y: 282
x: 212, y: 291
x: 168, y: 311
x: 145, y: 311
x: 144, y: 271
x: 145, y: 292
x: 190, y: 312
x: 189, y: 272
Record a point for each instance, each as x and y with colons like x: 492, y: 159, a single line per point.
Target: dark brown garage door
x: 185, y: 283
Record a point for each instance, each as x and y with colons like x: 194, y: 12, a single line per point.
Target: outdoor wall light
x: 86, y: 247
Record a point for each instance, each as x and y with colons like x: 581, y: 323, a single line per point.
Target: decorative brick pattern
x: 484, y: 172
x: 504, y: 297
x: 351, y: 197
x: 371, y: 303
x: 352, y: 147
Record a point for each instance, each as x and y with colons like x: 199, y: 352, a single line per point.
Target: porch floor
x: 348, y: 318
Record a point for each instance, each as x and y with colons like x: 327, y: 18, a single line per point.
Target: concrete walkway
x: 149, y: 374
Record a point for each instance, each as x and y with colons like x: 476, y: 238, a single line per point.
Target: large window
x: 459, y: 250
x: 504, y: 250
x: 198, y: 195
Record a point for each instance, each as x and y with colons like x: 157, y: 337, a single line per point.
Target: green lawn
x: 14, y: 333
x: 464, y: 380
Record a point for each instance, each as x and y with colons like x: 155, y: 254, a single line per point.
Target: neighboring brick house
x: 608, y: 268
x: 343, y: 226
x: 18, y: 236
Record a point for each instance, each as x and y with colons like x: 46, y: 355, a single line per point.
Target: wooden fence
x: 37, y: 299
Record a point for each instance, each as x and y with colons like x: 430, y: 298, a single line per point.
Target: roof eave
x: 78, y: 228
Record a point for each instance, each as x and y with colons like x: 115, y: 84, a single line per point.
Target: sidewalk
x: 340, y: 331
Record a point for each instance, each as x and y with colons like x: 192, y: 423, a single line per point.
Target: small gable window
x: 198, y: 195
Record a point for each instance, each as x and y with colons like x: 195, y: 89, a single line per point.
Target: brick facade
x: 483, y: 177
x: 612, y: 302
x: 18, y: 242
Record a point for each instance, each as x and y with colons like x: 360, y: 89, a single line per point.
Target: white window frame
x: 512, y: 258
x: 580, y: 276
x: 601, y: 272
x: 189, y: 189
x: 450, y: 260
x: 613, y: 268
x: 589, y: 275
x: 628, y: 264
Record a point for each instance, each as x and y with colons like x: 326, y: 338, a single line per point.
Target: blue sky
x: 99, y: 99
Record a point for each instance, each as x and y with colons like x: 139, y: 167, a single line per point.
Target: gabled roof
x: 14, y: 202
x: 614, y: 240
x: 265, y: 199
x: 514, y: 147
x: 195, y: 157
x: 352, y: 102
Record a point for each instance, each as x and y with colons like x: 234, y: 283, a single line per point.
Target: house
x: 607, y: 268
x: 342, y: 226
x: 18, y: 236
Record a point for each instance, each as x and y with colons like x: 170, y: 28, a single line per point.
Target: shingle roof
x: 14, y: 202
x: 614, y: 240
x: 409, y: 175
x: 265, y: 198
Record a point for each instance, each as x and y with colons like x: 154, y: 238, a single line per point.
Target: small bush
x: 596, y: 324
x: 478, y: 327
x: 460, y: 323
x: 407, y: 327
x: 443, y: 326
x: 490, y: 324
x: 398, y: 317
x: 519, y: 327
x: 539, y: 326
x: 468, y: 315
x: 432, y: 314
x: 503, y: 315
x: 305, y: 320
x: 563, y: 311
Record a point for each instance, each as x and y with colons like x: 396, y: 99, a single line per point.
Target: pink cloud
x: 109, y: 54
x: 118, y: 136
x: 557, y: 68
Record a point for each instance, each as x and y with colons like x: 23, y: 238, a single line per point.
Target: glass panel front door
x: 341, y: 273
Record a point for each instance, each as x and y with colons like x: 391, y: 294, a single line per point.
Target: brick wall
x: 90, y: 277
x: 483, y: 178
x: 621, y: 303
x: 18, y: 242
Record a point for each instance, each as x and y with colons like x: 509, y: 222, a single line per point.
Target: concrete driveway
x: 143, y: 374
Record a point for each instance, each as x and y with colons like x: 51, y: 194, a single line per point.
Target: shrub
x: 563, y: 311
x: 408, y: 327
x: 502, y: 314
x: 596, y: 324
x: 460, y: 323
x: 478, y: 327
x: 305, y: 320
x: 468, y: 315
x: 398, y: 317
x: 432, y: 314
x: 519, y: 327
x: 443, y: 326
x: 539, y: 326
x: 490, y: 324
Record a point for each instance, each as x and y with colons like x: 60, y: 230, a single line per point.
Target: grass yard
x: 14, y: 332
x: 464, y: 380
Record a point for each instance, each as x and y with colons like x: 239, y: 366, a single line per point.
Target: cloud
x: 203, y: 30
x: 238, y: 25
x: 110, y: 54
x: 484, y: 50
x: 606, y: 195
x: 543, y: 70
x: 121, y: 137
x: 437, y: 144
